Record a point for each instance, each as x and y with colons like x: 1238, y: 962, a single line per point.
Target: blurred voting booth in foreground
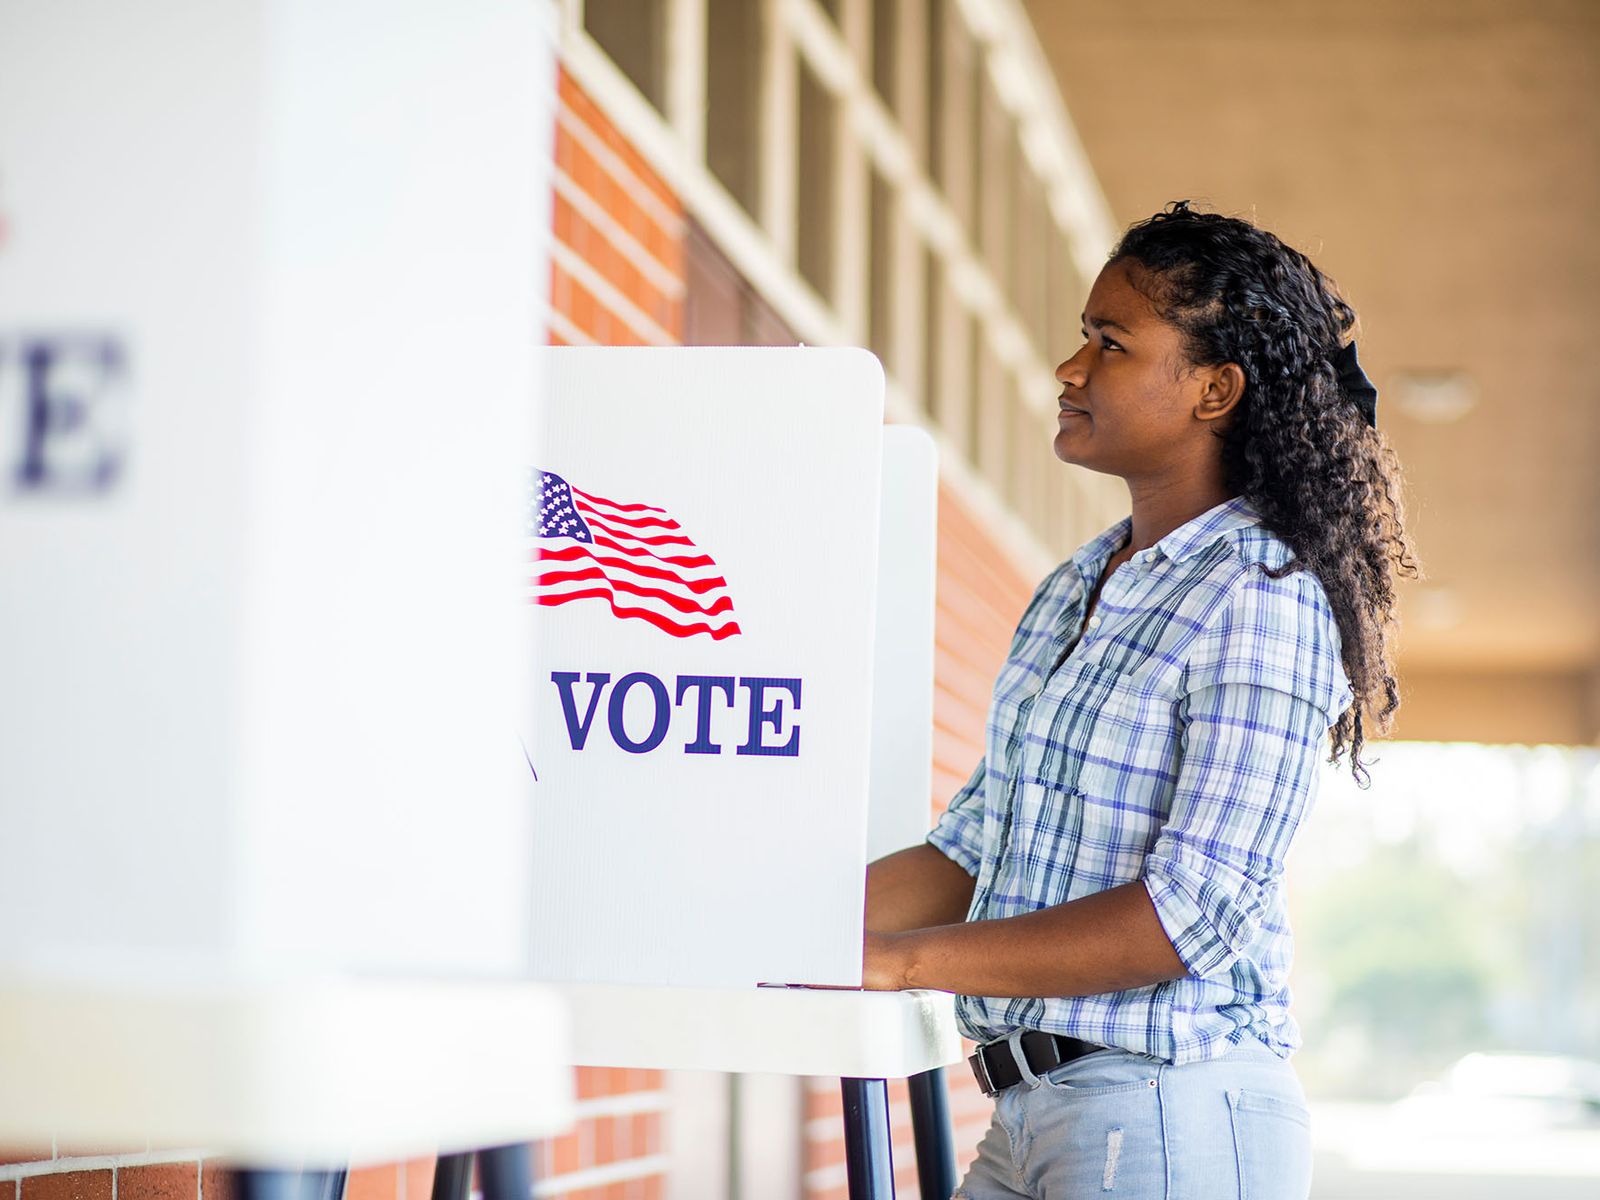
x: 268, y: 276
x: 724, y: 544
x: 266, y: 298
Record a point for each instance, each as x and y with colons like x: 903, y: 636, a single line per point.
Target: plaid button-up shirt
x: 1177, y: 744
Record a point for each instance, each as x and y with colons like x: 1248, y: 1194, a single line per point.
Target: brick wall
x: 53, y: 1174
x: 617, y: 262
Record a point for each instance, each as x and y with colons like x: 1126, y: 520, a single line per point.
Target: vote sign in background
x: 703, y: 551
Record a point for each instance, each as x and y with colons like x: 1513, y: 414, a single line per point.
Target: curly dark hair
x: 1296, y: 447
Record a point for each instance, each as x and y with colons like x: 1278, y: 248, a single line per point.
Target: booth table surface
x: 283, y: 1074
x: 779, y: 1030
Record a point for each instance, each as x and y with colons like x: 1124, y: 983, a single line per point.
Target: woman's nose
x: 1072, y: 371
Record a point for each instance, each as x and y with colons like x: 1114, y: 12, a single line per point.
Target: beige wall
x: 1528, y: 706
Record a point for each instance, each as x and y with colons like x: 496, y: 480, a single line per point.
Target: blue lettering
x: 761, y: 715
x: 619, y: 697
x: 64, y: 449
x: 578, y: 731
x: 705, y: 685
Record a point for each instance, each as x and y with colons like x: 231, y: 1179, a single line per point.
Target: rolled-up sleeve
x: 959, y: 832
x: 1261, y: 689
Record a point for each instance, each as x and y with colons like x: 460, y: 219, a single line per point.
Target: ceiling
x: 1441, y: 160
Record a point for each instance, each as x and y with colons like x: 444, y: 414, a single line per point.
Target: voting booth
x: 730, y: 575
x: 268, y: 280
x: 705, y: 577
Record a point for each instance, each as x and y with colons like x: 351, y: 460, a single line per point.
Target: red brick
x: 217, y: 1182
x: 645, y: 1133
x: 68, y: 1185
x: 11, y: 1155
x: 564, y: 1154
x: 164, y: 1181
x: 563, y: 147
x: 373, y: 1183
x: 418, y: 1175
x: 602, y: 1135
x: 8, y: 1190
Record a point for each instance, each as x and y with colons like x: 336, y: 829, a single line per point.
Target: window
x: 933, y: 94
x: 633, y: 34
x: 1064, y: 299
x: 733, y: 60
x: 996, y: 171
x: 933, y: 364
x: 815, y: 215
x: 883, y: 224
x: 885, y: 48
x: 1031, y: 253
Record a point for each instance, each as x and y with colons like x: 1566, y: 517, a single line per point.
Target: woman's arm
x: 915, y: 888
x: 1106, y: 942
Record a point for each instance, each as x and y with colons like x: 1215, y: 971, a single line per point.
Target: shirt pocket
x: 1116, y: 748
x: 1080, y: 726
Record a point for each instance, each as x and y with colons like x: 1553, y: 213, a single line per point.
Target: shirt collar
x: 1197, y: 533
x: 1184, y: 542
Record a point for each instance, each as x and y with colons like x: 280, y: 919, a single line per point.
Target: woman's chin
x: 1067, y: 448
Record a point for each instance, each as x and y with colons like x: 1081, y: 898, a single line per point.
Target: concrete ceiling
x: 1441, y: 160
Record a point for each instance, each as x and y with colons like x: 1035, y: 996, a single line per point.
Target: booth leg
x: 452, y: 1177
x: 868, y: 1157
x: 326, y: 1185
x: 506, y: 1172
x: 255, y: 1184
x: 930, y: 1126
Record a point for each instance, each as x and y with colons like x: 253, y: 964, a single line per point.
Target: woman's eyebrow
x: 1105, y: 322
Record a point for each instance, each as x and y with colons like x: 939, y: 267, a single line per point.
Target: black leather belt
x: 997, y: 1069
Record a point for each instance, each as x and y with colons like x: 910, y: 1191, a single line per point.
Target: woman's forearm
x: 915, y: 888
x: 1106, y: 942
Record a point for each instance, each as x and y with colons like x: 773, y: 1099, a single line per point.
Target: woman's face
x: 1131, y: 404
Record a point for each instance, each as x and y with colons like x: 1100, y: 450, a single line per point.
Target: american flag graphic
x: 633, y: 556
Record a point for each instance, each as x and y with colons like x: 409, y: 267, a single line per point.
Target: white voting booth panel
x: 327, y: 1073
x: 902, y: 680
x: 705, y: 543
x: 268, y: 282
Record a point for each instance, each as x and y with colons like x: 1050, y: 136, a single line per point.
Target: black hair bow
x: 1353, y: 382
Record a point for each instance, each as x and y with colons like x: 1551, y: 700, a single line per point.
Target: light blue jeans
x: 1119, y: 1123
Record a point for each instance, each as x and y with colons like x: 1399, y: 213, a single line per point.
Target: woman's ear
x: 1223, y: 388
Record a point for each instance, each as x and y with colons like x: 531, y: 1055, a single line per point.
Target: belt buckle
x: 980, y: 1068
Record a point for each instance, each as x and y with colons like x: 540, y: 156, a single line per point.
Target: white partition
x: 268, y: 281
x: 899, y: 814
x: 708, y: 526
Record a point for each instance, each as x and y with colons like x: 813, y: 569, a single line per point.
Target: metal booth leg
x: 868, y: 1156
x: 452, y: 1176
x: 506, y: 1172
x: 930, y: 1126
x: 326, y: 1185
x: 255, y: 1184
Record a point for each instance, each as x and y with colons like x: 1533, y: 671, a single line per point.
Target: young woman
x: 1105, y: 894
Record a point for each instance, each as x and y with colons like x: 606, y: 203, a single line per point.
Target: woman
x: 1105, y: 894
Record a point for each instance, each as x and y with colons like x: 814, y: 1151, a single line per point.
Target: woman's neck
x: 1159, y: 508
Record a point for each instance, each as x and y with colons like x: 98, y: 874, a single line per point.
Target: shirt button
x: 1094, y: 622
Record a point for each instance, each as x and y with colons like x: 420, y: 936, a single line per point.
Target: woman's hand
x: 884, y: 962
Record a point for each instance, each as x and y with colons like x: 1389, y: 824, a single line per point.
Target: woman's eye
x: 1104, y: 341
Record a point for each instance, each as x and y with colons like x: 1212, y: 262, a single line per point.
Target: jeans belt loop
x: 1019, y: 1056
